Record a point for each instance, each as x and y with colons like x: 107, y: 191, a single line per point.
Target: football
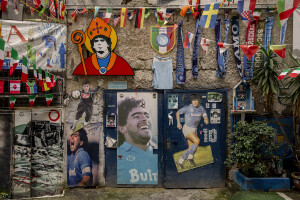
x: 76, y: 94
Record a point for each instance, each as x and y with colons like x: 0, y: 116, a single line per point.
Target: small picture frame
x: 241, y: 95
x: 214, y: 97
x: 173, y: 101
x: 111, y: 120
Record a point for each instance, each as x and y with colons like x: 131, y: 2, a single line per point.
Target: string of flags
x: 31, y: 98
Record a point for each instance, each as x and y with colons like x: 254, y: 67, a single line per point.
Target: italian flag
x: 12, y: 101
x: 49, y: 98
x: 53, y: 80
x: 282, y: 75
x: 24, y: 70
x: 31, y: 99
x: 163, y: 30
x: 295, y: 73
x: 35, y: 73
x: 107, y: 15
x: 40, y: 77
x: 285, y: 9
x: 48, y: 80
x: 279, y: 50
x: 13, y: 61
x: 2, y: 46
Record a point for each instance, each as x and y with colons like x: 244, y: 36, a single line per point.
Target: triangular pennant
x: 31, y: 99
x: 279, y: 50
x: 205, y: 44
x: 249, y: 50
x: 12, y: 101
x: 49, y: 98
x: 84, y: 11
x: 223, y: 46
x: 13, y: 61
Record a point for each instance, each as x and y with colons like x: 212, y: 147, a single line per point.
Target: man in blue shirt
x: 137, y: 164
x: 79, y: 162
x: 192, y: 116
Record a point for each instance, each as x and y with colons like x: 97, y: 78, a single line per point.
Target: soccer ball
x: 76, y: 94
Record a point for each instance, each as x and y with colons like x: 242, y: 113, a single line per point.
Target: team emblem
x: 162, y: 39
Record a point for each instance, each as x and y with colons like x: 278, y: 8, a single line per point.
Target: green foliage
x: 251, y: 145
x: 265, y: 76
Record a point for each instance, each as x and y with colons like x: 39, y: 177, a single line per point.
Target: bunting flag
x: 74, y: 15
x: 40, y: 77
x: 24, y: 69
x: 12, y: 101
x: 205, y: 43
x: 31, y: 87
x: 52, y: 9
x: 45, y: 87
x: 223, y: 46
x: 282, y: 75
x: 139, y: 20
x: 31, y: 99
x: 49, y: 98
x: 295, y: 73
x: 63, y: 11
x: 107, y: 15
x: 209, y: 15
x: 256, y: 14
x: 48, y: 80
x: 246, y: 9
x: 96, y: 11
x: 13, y: 61
x: 249, y: 50
x: 2, y: 52
x: 183, y: 11
x: 35, y: 74
x: 188, y: 40
x: 195, y: 61
x: 123, y: 17
x: 15, y: 87
x: 285, y: 9
x: 53, y: 80
x: 2, y: 86
x: 37, y: 3
x: 116, y: 20
x: 59, y: 9
x: 147, y: 13
x: 279, y: 50
x: 3, y: 5
x: 235, y: 32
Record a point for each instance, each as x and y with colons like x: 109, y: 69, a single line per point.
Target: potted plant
x: 251, y: 148
x: 265, y: 76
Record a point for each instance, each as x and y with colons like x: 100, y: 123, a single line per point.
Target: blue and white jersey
x: 136, y: 166
x: 79, y: 165
x: 192, y: 115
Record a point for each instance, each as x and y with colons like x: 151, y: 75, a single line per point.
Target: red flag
x: 37, y: 3
x: 249, y: 50
x: 2, y: 86
x: 3, y: 5
x: 84, y: 11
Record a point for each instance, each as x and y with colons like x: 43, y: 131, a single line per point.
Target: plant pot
x: 296, y: 179
x: 261, y: 183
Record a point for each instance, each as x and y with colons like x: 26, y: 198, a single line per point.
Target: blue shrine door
x: 194, y: 155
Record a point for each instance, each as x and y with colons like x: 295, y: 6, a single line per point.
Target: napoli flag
x: 209, y: 15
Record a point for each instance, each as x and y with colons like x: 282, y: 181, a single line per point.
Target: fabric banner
x: 296, y: 31
x: 236, y: 42
x: 180, y: 67
x: 196, y: 49
x: 260, y: 40
x: 268, y: 32
x: 220, y: 63
x: 250, y: 40
x: 48, y: 39
x: 225, y: 54
x: 283, y: 33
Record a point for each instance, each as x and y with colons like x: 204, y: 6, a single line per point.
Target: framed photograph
x: 173, y: 101
x: 111, y: 120
x: 214, y: 97
x: 241, y: 95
